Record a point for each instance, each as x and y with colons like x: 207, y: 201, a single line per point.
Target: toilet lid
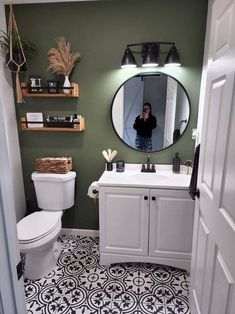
x: 37, y: 225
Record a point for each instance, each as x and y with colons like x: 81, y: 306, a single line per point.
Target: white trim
x: 80, y: 232
x: 204, y: 76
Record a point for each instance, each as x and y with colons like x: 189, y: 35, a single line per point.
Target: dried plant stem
x: 61, y: 59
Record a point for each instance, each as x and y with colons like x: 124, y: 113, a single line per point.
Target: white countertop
x: 133, y: 177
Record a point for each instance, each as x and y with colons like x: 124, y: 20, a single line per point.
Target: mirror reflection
x: 150, y: 111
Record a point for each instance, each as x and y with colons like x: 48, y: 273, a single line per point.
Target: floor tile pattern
x: 79, y: 285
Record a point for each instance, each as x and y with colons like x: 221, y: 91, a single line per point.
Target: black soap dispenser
x: 176, y: 163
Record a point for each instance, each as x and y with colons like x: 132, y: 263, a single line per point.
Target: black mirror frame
x: 154, y: 74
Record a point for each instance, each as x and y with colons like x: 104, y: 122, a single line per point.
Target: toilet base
x: 40, y: 263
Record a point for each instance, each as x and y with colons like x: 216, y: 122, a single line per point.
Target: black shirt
x: 144, y: 128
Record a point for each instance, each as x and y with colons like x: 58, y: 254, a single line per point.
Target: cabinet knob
x: 153, y: 198
x: 145, y: 197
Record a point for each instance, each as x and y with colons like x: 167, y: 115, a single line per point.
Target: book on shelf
x: 33, y: 119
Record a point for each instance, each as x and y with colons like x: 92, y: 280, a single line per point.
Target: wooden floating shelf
x: 74, y: 92
x: 81, y: 127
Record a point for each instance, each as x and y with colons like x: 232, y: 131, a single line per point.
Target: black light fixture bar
x: 152, y: 42
x: 150, y: 52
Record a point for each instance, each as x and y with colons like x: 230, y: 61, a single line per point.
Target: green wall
x: 100, y: 31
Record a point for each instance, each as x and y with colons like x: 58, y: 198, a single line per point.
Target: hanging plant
x: 28, y: 47
x: 15, y: 50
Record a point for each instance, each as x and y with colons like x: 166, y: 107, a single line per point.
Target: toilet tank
x: 54, y: 191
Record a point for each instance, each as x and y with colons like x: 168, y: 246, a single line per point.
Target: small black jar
x: 120, y: 165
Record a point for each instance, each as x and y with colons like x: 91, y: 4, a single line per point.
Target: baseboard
x: 80, y: 232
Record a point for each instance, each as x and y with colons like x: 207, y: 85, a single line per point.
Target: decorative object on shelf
x: 53, y: 164
x: 62, y: 61
x: 150, y: 52
x: 60, y: 122
x: 109, y: 155
x: 76, y: 120
x: 16, y: 50
x: 34, y: 119
x: 26, y: 91
x: 188, y: 164
x: 54, y: 125
x: 35, y: 84
x: 52, y: 121
x: 66, y: 85
x: 52, y: 86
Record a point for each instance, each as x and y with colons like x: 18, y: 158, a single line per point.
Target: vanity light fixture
x: 128, y: 60
x: 173, y: 57
x: 150, y: 52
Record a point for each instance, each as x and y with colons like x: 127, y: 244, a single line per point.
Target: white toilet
x: 38, y: 232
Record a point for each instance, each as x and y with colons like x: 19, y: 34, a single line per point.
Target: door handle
x: 145, y: 197
x: 153, y: 198
x: 196, y: 193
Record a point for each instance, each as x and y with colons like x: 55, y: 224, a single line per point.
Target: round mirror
x: 150, y: 111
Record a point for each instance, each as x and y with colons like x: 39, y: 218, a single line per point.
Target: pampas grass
x: 61, y: 59
x: 109, y: 154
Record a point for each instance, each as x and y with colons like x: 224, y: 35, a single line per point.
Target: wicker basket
x: 53, y: 165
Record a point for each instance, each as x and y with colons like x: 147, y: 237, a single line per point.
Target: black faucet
x: 148, y: 167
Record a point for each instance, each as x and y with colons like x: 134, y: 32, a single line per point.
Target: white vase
x: 66, y: 84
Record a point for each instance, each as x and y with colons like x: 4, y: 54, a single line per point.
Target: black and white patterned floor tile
x: 79, y: 285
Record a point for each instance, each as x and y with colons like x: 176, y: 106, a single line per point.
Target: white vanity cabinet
x: 124, y: 222
x: 171, y: 227
x: 145, y: 217
x: 145, y: 225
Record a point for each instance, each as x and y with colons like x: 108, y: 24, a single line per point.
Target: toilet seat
x: 37, y: 226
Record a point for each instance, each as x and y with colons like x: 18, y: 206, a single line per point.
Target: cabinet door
x: 171, y: 224
x: 124, y: 219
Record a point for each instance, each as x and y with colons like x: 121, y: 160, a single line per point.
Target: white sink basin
x: 132, y: 176
x: 148, y: 176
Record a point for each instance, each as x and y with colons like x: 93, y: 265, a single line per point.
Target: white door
x: 124, y: 218
x: 133, y: 107
x: 12, y: 298
x: 170, y: 111
x: 213, y: 262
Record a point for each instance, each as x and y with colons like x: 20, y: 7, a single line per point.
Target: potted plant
x: 18, y: 45
x: 109, y: 155
x: 188, y: 164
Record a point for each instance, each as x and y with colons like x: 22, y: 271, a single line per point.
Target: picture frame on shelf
x: 34, y: 119
x: 35, y: 84
x: 52, y: 86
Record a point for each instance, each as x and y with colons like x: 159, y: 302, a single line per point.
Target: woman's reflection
x: 144, y: 124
